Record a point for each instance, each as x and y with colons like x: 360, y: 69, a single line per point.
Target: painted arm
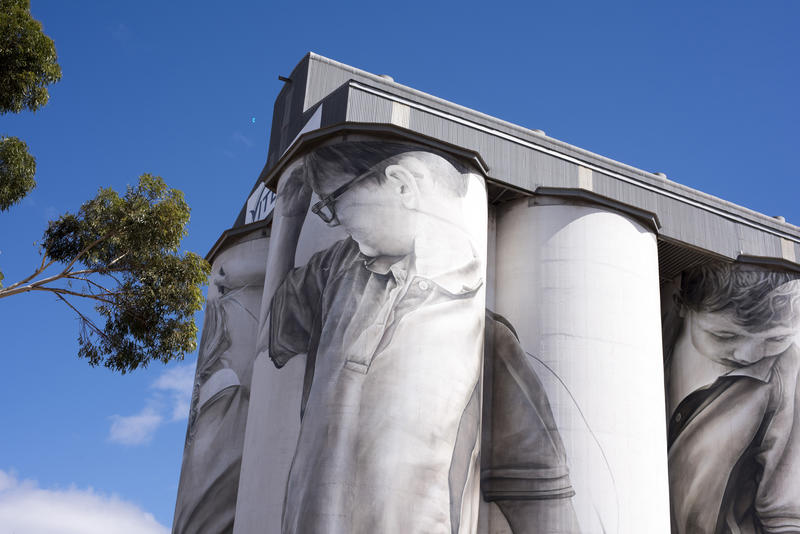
x: 524, y: 466
x: 551, y: 516
x: 291, y: 207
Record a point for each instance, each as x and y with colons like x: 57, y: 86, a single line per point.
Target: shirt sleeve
x: 778, y: 493
x: 524, y: 457
x: 297, y: 304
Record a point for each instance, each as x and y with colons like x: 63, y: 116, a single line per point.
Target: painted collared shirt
x: 397, y: 351
x: 734, y: 453
x: 522, y: 453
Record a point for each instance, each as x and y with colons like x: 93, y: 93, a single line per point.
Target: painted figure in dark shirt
x: 732, y: 368
x: 523, y: 463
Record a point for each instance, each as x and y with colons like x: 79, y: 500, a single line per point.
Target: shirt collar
x: 761, y: 370
x: 397, y: 266
x: 462, y: 280
x: 435, y: 262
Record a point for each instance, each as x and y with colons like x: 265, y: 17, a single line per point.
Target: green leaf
x: 131, y: 242
x: 17, y: 169
x: 28, y: 60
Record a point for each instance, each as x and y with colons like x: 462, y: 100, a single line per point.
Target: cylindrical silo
x: 212, y: 455
x: 578, y: 285
x: 371, y: 345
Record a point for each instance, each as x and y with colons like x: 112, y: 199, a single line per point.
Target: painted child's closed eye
x: 725, y: 336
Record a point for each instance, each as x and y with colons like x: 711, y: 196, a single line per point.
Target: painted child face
x: 716, y: 336
x: 376, y: 218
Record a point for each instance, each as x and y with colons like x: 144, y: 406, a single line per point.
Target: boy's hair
x: 351, y: 159
x: 758, y: 297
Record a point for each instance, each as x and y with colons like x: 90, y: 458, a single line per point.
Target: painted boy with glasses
x: 391, y: 319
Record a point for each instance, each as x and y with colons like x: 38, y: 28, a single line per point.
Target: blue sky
x: 703, y: 91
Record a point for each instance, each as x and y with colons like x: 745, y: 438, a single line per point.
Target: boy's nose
x: 750, y: 351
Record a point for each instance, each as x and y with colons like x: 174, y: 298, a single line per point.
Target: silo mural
x: 732, y: 366
x: 465, y: 327
x: 212, y: 456
x: 525, y: 471
x: 560, y: 266
x: 390, y: 320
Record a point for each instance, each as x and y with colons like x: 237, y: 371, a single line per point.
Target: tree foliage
x: 122, y: 253
x: 27, y: 59
x: 27, y: 66
x: 17, y: 168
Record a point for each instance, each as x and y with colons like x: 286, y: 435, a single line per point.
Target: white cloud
x: 178, y: 382
x: 180, y: 378
x: 135, y: 429
x: 170, y: 401
x: 27, y: 508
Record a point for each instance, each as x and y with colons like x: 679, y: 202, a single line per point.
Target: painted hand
x: 294, y: 195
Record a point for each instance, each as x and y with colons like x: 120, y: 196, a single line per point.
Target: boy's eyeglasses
x: 325, y: 207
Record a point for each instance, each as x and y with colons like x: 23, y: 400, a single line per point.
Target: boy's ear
x: 405, y: 184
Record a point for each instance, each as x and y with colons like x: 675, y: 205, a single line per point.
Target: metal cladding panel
x: 610, y: 187
x: 288, y: 112
x: 530, y: 169
x: 363, y: 107
x: 335, y: 109
x: 755, y: 243
x: 545, y: 169
x: 325, y: 76
x: 686, y: 224
x: 521, y: 159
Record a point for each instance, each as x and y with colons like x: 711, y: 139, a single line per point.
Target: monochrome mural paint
x: 412, y: 355
x: 259, y: 205
x: 732, y: 366
x: 579, y: 286
x: 390, y: 321
x: 213, y: 450
x: 524, y: 464
x: 273, y: 421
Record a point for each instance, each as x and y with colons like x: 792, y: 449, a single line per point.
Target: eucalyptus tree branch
x: 87, y: 248
x: 83, y: 318
x: 61, y: 290
x: 43, y: 267
x: 16, y: 289
x: 109, y: 273
x: 115, y: 260
x: 92, y: 282
x: 7, y: 291
x: 151, y: 291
